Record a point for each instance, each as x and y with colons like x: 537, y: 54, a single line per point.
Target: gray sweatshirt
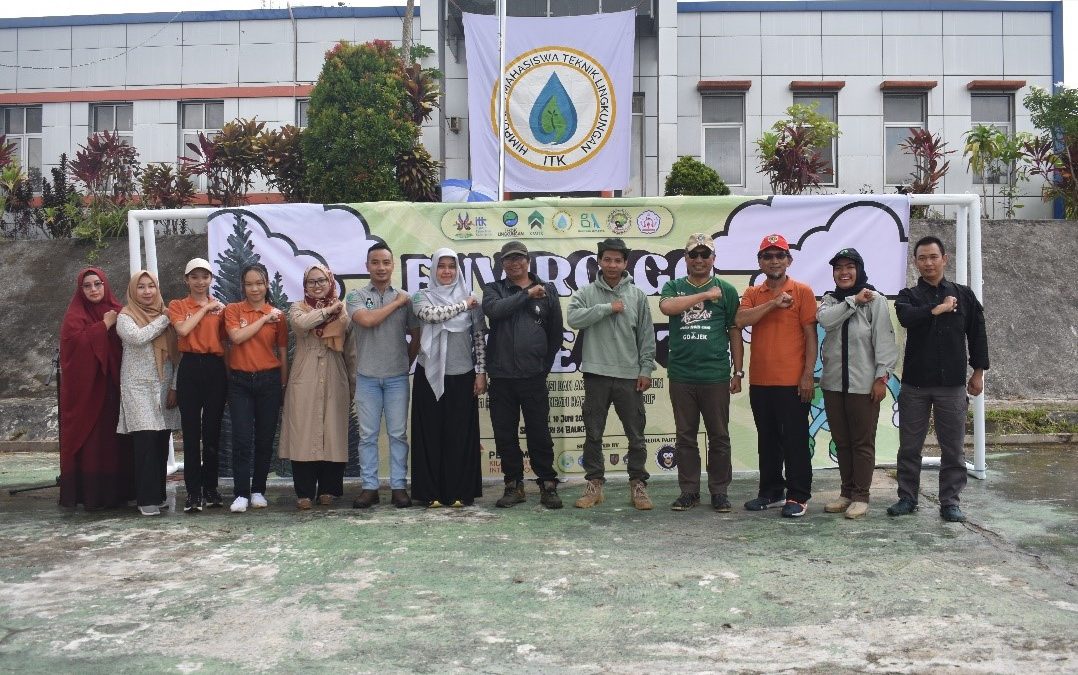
x: 871, y: 351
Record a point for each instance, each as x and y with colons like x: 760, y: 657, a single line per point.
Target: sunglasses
x: 698, y: 255
x: 780, y: 255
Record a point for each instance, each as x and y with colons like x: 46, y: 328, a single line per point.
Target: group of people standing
x: 133, y: 373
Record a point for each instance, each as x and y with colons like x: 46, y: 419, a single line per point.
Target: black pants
x: 254, y: 400
x: 201, y: 388
x: 151, y: 466
x: 313, y: 479
x: 783, y: 434
x: 509, y: 397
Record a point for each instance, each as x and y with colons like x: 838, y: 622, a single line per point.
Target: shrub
x: 689, y: 176
x: 790, y: 153
x: 229, y: 160
x: 283, y: 163
x: 1054, y: 155
x: 107, y: 167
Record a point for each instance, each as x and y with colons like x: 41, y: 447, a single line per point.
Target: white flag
x: 568, y: 95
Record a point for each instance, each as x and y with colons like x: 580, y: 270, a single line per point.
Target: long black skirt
x: 446, y: 461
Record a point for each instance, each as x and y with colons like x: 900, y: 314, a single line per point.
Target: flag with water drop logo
x: 568, y: 93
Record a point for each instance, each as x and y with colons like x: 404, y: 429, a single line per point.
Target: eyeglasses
x: 780, y: 255
x: 698, y: 255
x: 317, y: 282
x: 91, y: 285
x: 514, y: 258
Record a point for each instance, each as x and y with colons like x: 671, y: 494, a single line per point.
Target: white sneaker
x: 239, y: 505
x: 258, y: 501
x: 151, y: 510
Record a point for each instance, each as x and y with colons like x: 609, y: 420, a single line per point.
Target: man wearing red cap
x: 782, y: 313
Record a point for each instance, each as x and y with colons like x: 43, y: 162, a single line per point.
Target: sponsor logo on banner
x: 481, y: 229
x: 562, y: 221
x: 536, y: 221
x: 464, y: 226
x: 510, y: 219
x: 589, y: 223
x: 561, y: 107
x: 648, y: 222
x: 666, y: 458
x: 614, y: 458
x: 570, y: 461
x: 618, y: 221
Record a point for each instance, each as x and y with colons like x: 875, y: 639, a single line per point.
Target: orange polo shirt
x: 777, y: 351
x: 256, y: 353
x: 207, y: 337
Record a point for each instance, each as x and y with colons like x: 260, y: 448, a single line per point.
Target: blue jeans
x: 375, y: 396
x: 254, y: 402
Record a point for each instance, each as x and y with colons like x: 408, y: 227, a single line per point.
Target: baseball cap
x: 851, y: 254
x: 774, y: 241
x: 514, y: 247
x: 613, y: 244
x: 698, y: 239
x: 197, y: 264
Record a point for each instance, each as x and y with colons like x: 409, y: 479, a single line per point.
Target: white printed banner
x: 568, y: 96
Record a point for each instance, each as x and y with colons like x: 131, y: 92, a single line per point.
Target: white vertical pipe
x: 149, y: 237
x: 500, y: 131
x: 134, y: 252
x: 961, y: 245
x: 976, y: 283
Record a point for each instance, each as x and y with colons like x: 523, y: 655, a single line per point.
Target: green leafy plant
x: 929, y: 164
x: 997, y: 158
x: 283, y: 164
x: 790, y: 153
x: 1053, y: 156
x: 360, y: 122
x: 164, y: 186
x: 61, y: 203
x: 107, y: 168
x: 229, y: 160
x: 417, y: 174
x: 689, y: 176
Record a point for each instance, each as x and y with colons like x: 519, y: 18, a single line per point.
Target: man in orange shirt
x: 782, y: 313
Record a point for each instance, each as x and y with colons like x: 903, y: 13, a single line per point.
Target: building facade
x: 710, y: 78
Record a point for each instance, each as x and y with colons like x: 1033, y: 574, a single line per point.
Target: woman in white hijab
x: 449, y: 377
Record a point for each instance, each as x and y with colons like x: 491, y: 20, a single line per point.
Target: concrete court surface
x: 493, y: 590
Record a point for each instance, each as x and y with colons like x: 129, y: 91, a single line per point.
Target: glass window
x: 994, y: 110
x: 636, y: 156
x: 203, y: 116
x: 723, y: 122
x: 901, y: 112
x: 826, y: 105
x: 301, y: 112
x: 113, y: 117
x: 22, y: 125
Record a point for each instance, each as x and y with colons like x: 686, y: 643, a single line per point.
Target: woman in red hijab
x: 95, y: 463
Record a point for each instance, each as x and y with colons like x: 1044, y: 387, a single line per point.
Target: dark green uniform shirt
x: 699, y: 336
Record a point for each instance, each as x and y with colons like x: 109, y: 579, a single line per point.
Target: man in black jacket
x: 941, y: 319
x: 525, y: 335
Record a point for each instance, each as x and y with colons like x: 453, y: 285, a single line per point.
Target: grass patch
x: 1032, y: 421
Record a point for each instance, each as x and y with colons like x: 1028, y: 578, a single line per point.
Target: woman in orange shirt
x: 201, y: 384
x: 258, y: 373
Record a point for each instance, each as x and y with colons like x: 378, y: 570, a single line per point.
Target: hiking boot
x: 192, y: 503
x: 903, y: 507
x: 856, y: 510
x: 365, y: 499
x: 548, y: 494
x: 763, y: 503
x: 326, y: 500
x: 514, y: 494
x: 400, y: 499
x: 685, y: 502
x: 638, y: 495
x: 303, y: 504
x: 952, y: 514
x: 593, y: 494
x: 213, y: 498
x: 837, y: 506
x: 794, y: 509
x: 721, y: 503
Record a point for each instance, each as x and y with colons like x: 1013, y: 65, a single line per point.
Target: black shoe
x: 721, y: 503
x: 213, y: 498
x: 548, y: 494
x: 763, y: 503
x: 685, y: 502
x: 903, y: 507
x: 192, y: 503
x: 514, y: 494
x: 365, y: 499
x: 794, y: 509
x: 952, y: 514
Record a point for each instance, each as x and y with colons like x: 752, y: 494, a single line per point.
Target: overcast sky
x: 10, y: 8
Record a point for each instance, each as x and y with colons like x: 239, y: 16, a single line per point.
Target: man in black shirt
x: 941, y: 319
x: 525, y: 335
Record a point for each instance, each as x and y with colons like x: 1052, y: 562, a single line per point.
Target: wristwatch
x: 740, y: 373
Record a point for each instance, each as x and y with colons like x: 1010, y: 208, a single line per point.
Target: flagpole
x: 501, y: 99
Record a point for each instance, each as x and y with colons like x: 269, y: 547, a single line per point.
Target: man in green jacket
x: 618, y: 356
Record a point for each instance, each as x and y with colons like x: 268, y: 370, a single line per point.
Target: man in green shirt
x: 703, y: 339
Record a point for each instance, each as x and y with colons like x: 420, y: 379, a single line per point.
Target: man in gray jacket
x: 614, y: 321
x: 525, y: 336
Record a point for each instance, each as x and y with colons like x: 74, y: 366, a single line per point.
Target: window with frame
x: 723, y: 129
x: 994, y: 110
x: 302, y: 106
x: 116, y: 118
x: 22, y: 126
x: 636, y: 151
x: 901, y: 112
x: 826, y: 105
x: 207, y: 117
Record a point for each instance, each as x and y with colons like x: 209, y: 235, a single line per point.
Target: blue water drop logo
x: 553, y: 117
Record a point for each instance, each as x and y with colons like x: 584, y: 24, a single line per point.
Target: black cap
x: 514, y: 247
x: 849, y: 253
x: 613, y: 244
